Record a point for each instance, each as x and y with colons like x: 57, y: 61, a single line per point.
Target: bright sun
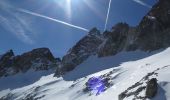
x: 68, y: 1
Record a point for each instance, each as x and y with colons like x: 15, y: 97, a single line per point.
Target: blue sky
x: 23, y: 32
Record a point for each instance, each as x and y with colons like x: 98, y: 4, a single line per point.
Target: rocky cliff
x: 154, y: 29
x: 87, y: 46
x: 37, y: 59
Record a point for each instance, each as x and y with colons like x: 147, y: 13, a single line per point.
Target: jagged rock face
x: 154, y: 28
x: 115, y: 41
x: 6, y: 62
x: 6, y: 58
x: 152, y: 88
x: 37, y: 59
x: 81, y: 51
x: 152, y: 33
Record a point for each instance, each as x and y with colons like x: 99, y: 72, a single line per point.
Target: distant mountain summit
x: 152, y: 33
x: 81, y: 51
x: 118, y: 39
x: 37, y: 59
x: 154, y: 29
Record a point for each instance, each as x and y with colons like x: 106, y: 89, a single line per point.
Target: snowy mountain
x: 81, y: 51
x: 125, y: 70
x: 37, y: 60
x: 151, y: 34
x: 125, y: 63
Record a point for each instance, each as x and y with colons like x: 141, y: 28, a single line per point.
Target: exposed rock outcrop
x: 6, y: 63
x: 37, y: 59
x: 121, y: 36
x: 81, y: 51
x: 154, y: 29
x: 151, y: 88
x: 151, y: 34
x: 147, y: 87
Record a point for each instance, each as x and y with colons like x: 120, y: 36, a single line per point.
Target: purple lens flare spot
x: 96, y: 85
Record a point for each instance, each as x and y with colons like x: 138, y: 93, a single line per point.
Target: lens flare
x: 96, y: 85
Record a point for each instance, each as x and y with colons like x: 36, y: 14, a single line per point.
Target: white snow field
x: 127, y: 67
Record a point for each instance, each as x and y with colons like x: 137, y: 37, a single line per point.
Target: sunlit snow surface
x: 128, y: 68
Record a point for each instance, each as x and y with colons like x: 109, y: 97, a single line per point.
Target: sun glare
x: 69, y: 7
x: 68, y: 3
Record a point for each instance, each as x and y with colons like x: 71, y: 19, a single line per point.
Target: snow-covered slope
x: 125, y: 70
x: 22, y: 79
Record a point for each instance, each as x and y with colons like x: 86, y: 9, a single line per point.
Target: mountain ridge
x: 37, y: 59
x: 151, y: 34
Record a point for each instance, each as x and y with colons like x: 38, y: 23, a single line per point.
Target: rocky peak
x: 37, y: 59
x: 117, y: 30
x: 7, y: 55
x: 157, y: 19
x: 5, y: 58
x: 94, y: 31
x: 151, y: 34
x: 120, y: 27
x: 154, y: 28
x: 114, y: 40
x: 39, y: 53
x: 81, y: 51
